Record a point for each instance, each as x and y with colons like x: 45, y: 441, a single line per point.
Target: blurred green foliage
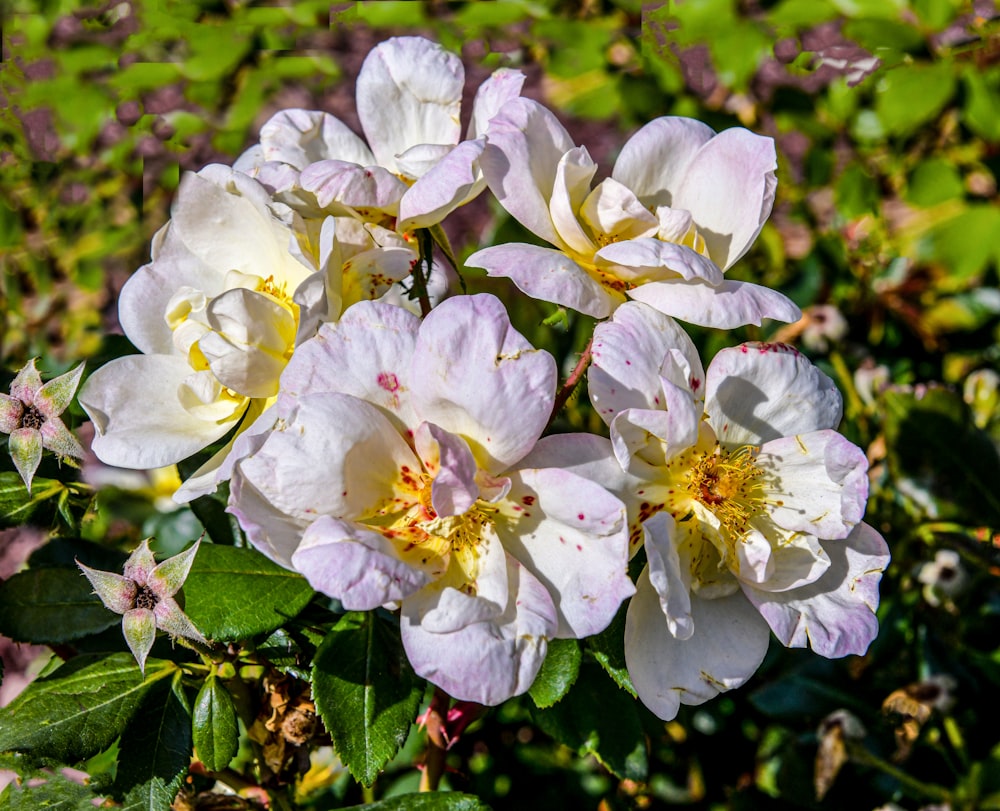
x: 886, y: 114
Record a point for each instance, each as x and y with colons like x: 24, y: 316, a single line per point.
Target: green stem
x: 437, y: 746
x: 422, y: 270
x: 860, y: 755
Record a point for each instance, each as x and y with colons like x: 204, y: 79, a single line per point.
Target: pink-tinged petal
x: 151, y: 430
x: 570, y: 188
x: 302, y: 137
x: 409, y: 92
x: 754, y: 558
x: 726, y: 306
x: 367, y: 354
x: 452, y: 602
x: 270, y: 531
x: 666, y: 576
x: 648, y: 258
x: 26, y: 384
x: 758, y: 392
x: 613, y: 210
x: 139, y: 628
x: 333, y: 455
x: 475, y: 376
x: 57, y: 438
x: 343, y: 188
x: 652, y: 162
x: 820, y: 483
x: 361, y: 568
x: 116, y: 592
x: 451, y: 182
x: 790, y: 561
x: 249, y: 342
x: 171, y: 620
x: 728, y: 644
x: 167, y: 578
x: 835, y: 615
x: 656, y: 437
x: 630, y: 354
x: 502, y: 86
x: 728, y: 187
x: 140, y: 563
x: 11, y: 412
x: 448, y: 459
x: 548, y: 275
x: 573, y: 536
x: 525, y: 144
x: 54, y: 397
x: 274, y: 176
x: 491, y: 660
x: 25, y: 445
x: 418, y: 160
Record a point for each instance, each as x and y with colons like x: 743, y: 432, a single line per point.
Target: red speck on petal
x: 579, y: 548
x: 529, y: 500
x: 743, y: 348
x: 695, y: 384
x: 581, y: 516
x: 628, y: 363
x: 388, y: 381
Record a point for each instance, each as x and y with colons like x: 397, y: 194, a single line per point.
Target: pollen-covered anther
x: 731, y: 485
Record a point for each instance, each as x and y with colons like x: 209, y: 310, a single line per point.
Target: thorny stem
x: 425, y: 243
x: 571, y: 382
x: 437, y: 744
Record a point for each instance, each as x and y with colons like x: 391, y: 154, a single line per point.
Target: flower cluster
x: 388, y: 442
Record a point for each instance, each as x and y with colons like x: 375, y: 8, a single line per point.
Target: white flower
x: 683, y: 203
x: 392, y: 477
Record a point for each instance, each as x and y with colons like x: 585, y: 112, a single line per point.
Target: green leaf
x: 608, y: 648
x: 966, y: 243
x: 911, y: 95
x: 155, y: 748
x: 365, y: 692
x: 79, y: 709
x: 934, y: 181
x: 17, y: 507
x: 216, y: 734
x: 856, y: 193
x: 596, y: 718
x: 436, y: 801
x: 982, y: 100
x: 938, y: 457
x: 234, y: 593
x: 558, y: 672
x: 222, y: 527
x: 51, y: 606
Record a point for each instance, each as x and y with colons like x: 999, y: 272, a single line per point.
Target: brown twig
x: 571, y: 382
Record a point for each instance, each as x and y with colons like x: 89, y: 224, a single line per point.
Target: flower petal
x: 116, y: 592
x: 502, y: 86
x: 345, y: 189
x: 648, y: 259
x: 148, y: 431
x: 835, y: 615
x: 758, y: 392
x: 170, y: 619
x: 409, y: 92
x: 546, y: 274
x: 491, y: 660
x: 728, y: 187
x: 725, y: 306
x: 361, y: 568
x: 475, y: 376
x: 54, y: 397
x: 57, y: 438
x: 821, y: 483
x: 526, y: 142
x: 573, y: 536
x: 652, y: 162
x: 302, y: 137
x: 448, y: 459
x: 726, y: 648
x: 139, y: 628
x: 452, y: 181
x: 570, y: 188
x: 11, y: 412
x: 167, y: 578
x: 26, y: 384
x: 270, y: 531
x: 367, y: 354
x: 666, y: 576
x: 140, y: 563
x: 25, y: 445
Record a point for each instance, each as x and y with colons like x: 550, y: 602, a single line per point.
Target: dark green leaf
x: 943, y: 461
x: 50, y: 791
x: 79, y: 709
x: 65, y: 552
x: 436, y: 801
x: 216, y: 734
x: 599, y: 719
x: 51, y: 606
x: 609, y: 649
x: 558, y: 672
x: 365, y: 692
x: 17, y: 507
x: 222, y: 528
x: 155, y: 748
x: 234, y: 593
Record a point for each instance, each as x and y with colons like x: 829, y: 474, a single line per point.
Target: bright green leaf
x: 51, y: 606
x: 909, y: 96
x: 934, y: 181
x: 435, y: 801
x: 216, y: 734
x: 17, y: 507
x: 365, y: 692
x: 234, y: 593
x: 982, y: 100
x: 80, y: 708
x: 558, y: 672
x: 608, y: 648
x: 967, y: 243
